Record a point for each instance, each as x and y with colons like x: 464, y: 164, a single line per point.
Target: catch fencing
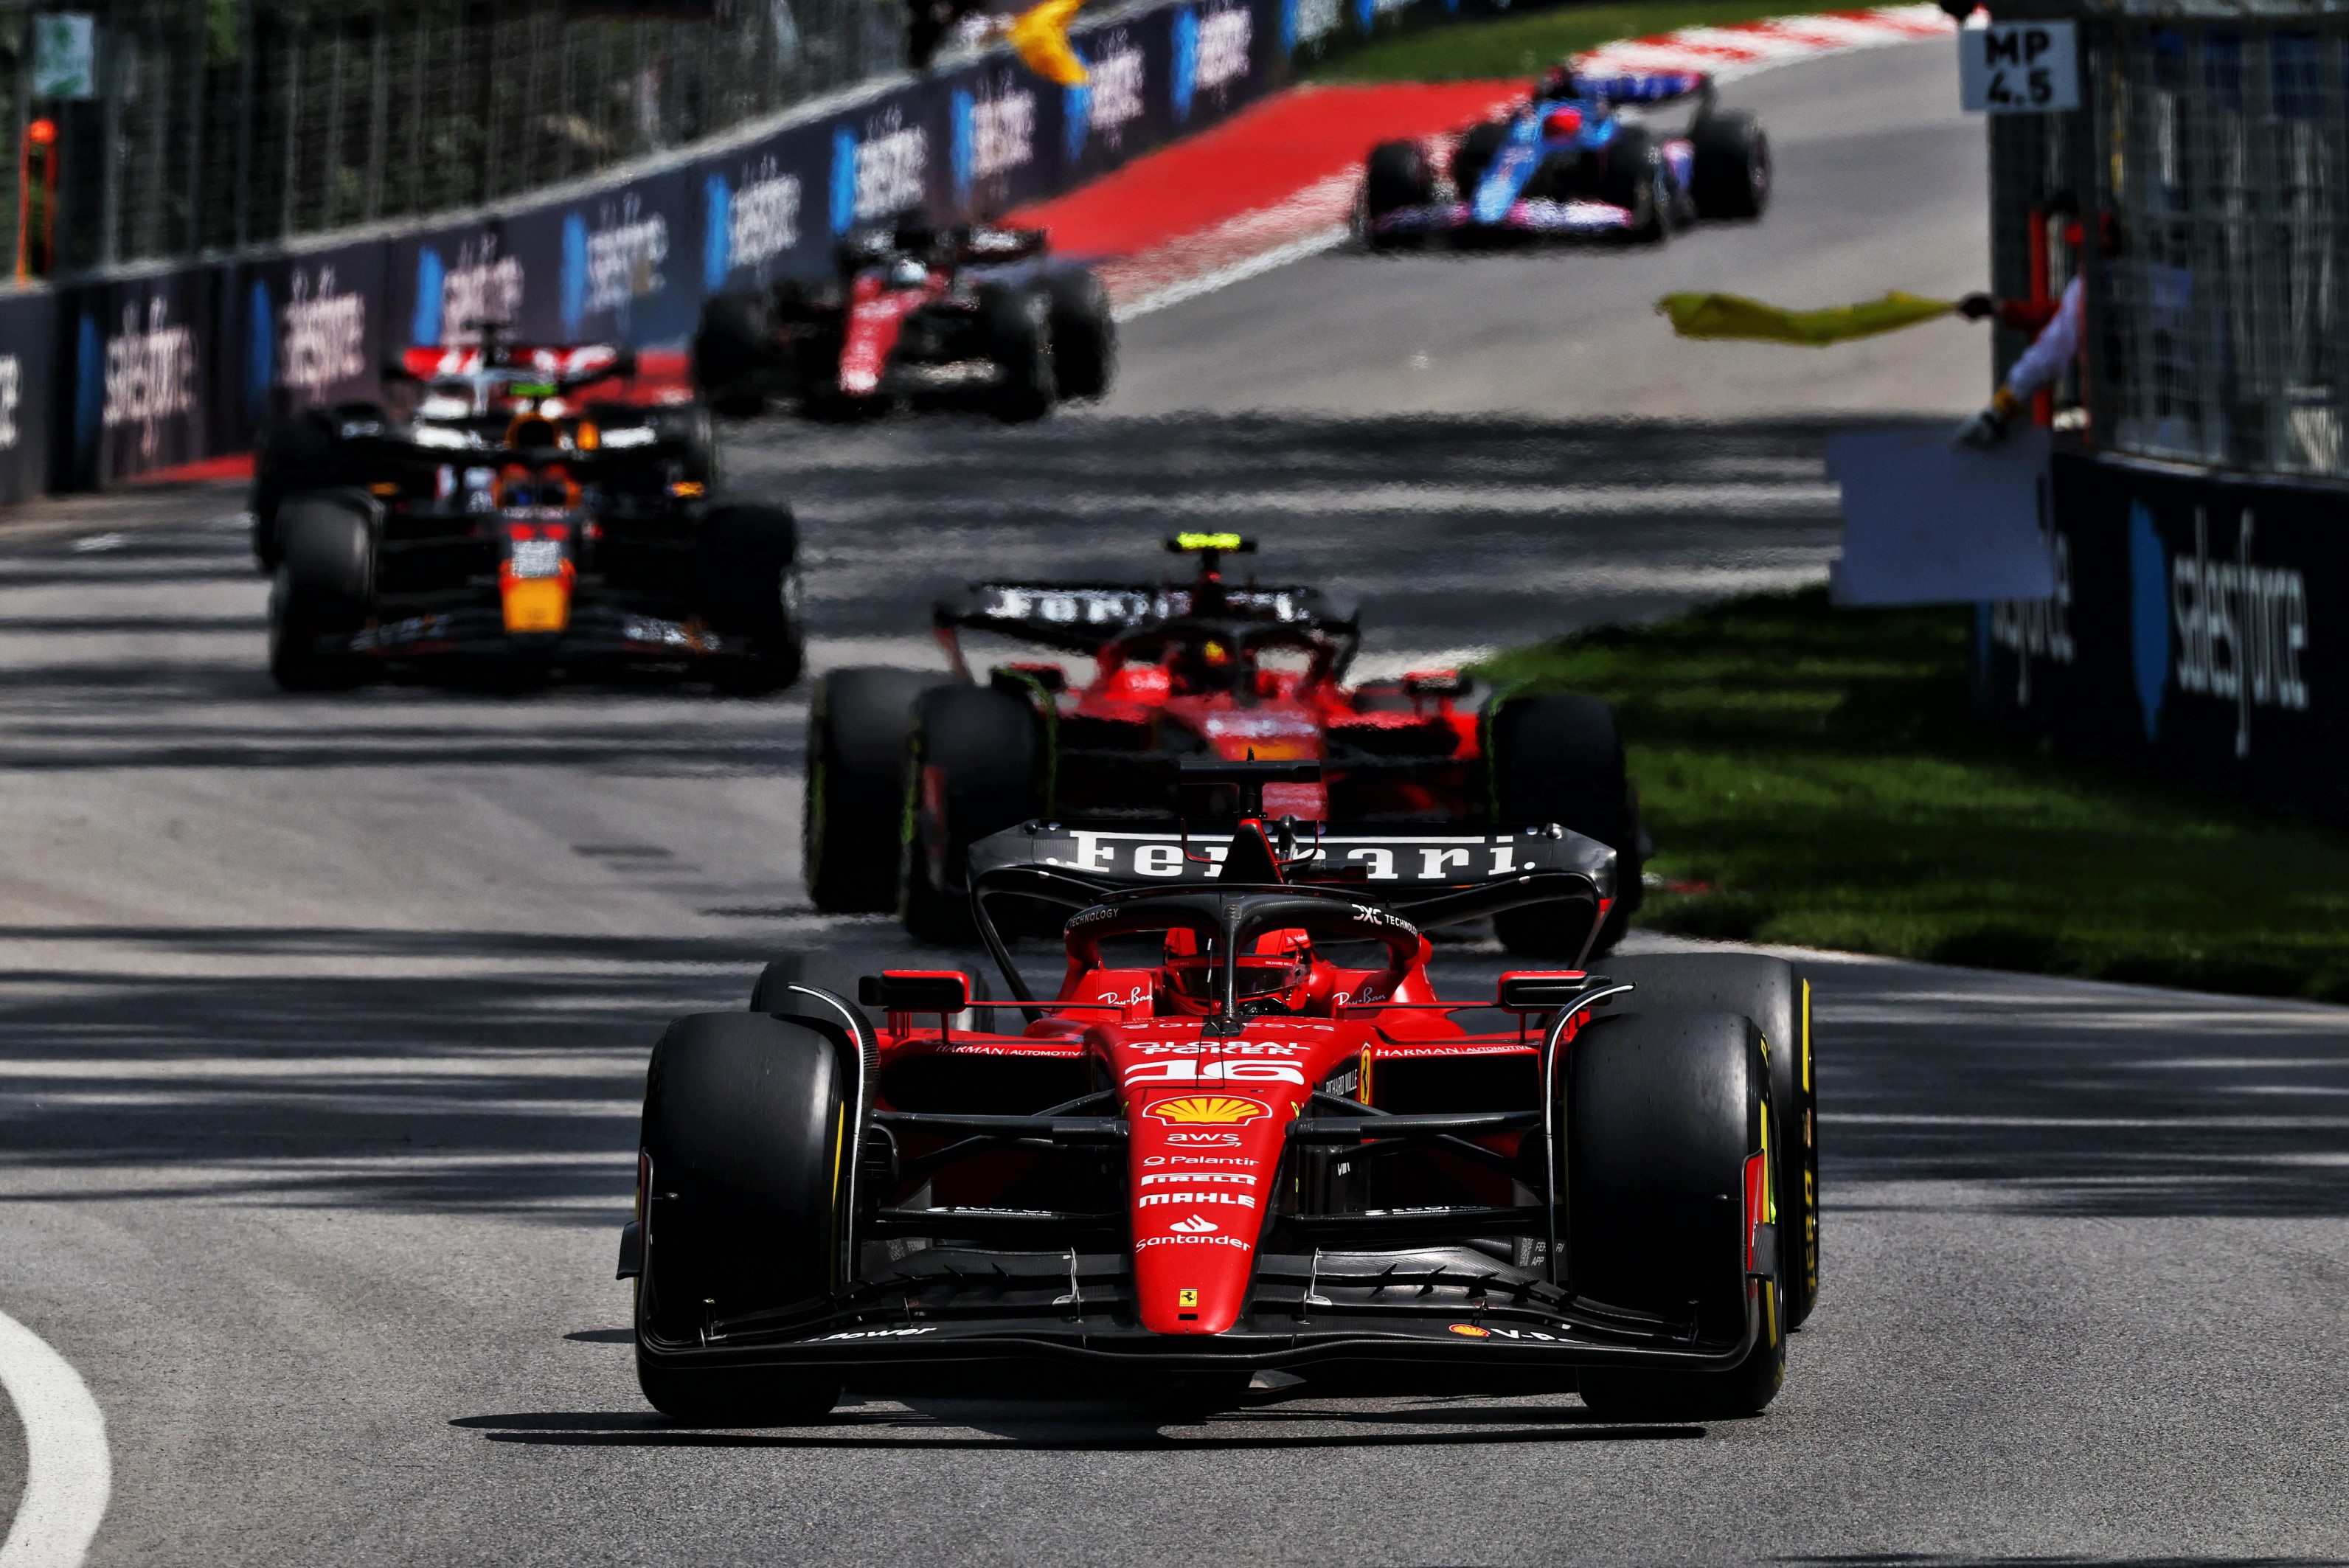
x: 2199, y: 629
x: 2212, y: 150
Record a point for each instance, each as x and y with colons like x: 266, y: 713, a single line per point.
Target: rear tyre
x: 747, y: 586
x: 1083, y: 336
x: 1730, y: 175
x: 1769, y: 991
x: 970, y: 770
x: 1663, y: 1111
x: 742, y: 1113
x: 1560, y: 759
x: 1020, y: 322
x: 1395, y: 178
x: 323, y: 589
x: 851, y: 820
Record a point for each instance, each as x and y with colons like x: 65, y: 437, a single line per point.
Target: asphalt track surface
x: 322, y: 1024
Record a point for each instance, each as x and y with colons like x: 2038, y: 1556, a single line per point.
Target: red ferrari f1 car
x: 906, y: 771
x: 973, y: 318
x: 1246, y: 1143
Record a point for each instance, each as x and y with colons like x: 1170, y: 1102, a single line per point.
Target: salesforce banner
x: 194, y: 362
x: 2196, y: 632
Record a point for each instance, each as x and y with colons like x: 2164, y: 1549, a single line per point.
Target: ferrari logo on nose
x: 1186, y: 1298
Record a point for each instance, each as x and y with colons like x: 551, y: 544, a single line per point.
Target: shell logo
x: 1209, y: 1110
x: 1471, y: 1331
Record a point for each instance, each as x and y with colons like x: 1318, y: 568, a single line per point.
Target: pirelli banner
x: 173, y: 365
x: 2197, y: 632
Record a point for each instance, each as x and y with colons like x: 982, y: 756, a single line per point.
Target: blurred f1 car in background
x: 1246, y: 1145
x: 499, y: 515
x: 1580, y: 160
x: 971, y: 318
x: 906, y: 770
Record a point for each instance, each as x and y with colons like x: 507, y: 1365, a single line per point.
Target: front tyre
x: 1731, y: 174
x: 737, y: 1188
x: 1395, y: 178
x: 1083, y: 336
x: 324, y: 590
x: 1668, y: 1121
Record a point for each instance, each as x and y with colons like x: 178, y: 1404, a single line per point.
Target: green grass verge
x: 1813, y: 777
x: 1520, y: 46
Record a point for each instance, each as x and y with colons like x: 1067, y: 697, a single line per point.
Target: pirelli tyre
x: 322, y: 591
x: 1777, y: 998
x: 1395, y: 177
x: 1083, y: 336
x: 1019, y: 326
x: 1729, y: 177
x: 971, y: 769
x: 297, y: 453
x: 1560, y: 759
x: 1637, y: 178
x: 1664, y: 1112
x: 747, y: 586
x: 852, y: 819
x: 737, y: 1197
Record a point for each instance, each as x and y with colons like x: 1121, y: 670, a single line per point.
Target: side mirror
x: 916, y: 990
x: 1540, y: 991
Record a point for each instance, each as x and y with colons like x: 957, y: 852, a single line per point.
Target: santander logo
x: 1196, y: 1225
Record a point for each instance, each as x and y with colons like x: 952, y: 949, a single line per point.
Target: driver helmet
x: 1273, y: 977
x: 908, y: 272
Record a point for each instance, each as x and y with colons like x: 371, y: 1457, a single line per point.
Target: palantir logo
x: 2149, y: 617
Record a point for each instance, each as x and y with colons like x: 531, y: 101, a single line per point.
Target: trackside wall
x: 141, y: 372
x: 2200, y: 499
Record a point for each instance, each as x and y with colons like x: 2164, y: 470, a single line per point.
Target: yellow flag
x: 1733, y: 316
x: 1040, y: 37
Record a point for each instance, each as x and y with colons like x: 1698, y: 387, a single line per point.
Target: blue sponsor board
x: 136, y: 376
x: 2196, y: 632
x: 297, y: 331
x: 621, y: 266
x: 189, y: 364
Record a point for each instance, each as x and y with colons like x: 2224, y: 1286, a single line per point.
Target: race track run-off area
x: 324, y: 1020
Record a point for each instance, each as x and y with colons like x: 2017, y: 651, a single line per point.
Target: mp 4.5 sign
x: 2018, y: 68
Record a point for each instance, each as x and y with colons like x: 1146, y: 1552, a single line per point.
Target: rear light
x: 1757, y: 1202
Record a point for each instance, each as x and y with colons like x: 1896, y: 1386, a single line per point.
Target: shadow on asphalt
x: 1094, y: 1431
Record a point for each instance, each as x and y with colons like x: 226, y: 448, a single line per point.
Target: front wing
x: 1441, y: 1308
x: 593, y: 633
x: 1531, y: 217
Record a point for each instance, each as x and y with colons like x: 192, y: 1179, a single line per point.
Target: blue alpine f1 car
x: 1580, y: 160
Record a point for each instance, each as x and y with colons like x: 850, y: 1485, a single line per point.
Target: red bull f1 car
x: 967, y: 317
x: 906, y: 771
x: 1580, y: 160
x: 1246, y: 1145
x: 500, y: 515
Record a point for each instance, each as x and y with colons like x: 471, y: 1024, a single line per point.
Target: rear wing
x: 1625, y: 87
x: 1081, y: 618
x: 1398, y: 866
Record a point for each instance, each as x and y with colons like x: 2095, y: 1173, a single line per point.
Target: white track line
x: 68, y: 1474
